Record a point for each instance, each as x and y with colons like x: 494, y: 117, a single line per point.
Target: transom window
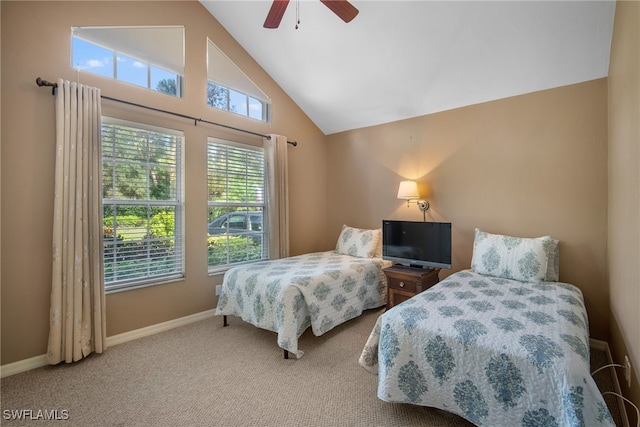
x: 223, y: 98
x: 237, y: 223
x: 150, y: 57
x: 229, y: 89
x: 142, y: 169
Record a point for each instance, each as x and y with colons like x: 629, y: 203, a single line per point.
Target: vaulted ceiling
x: 403, y: 59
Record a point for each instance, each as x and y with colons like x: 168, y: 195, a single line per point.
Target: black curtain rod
x: 54, y: 86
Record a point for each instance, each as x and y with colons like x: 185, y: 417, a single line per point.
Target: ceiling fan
x: 345, y: 11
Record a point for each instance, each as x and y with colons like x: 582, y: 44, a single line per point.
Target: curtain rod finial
x: 41, y: 83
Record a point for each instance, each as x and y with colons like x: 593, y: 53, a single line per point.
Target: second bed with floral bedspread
x: 321, y: 290
x: 495, y: 351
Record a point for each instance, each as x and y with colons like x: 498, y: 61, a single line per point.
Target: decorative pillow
x: 517, y: 258
x: 358, y: 242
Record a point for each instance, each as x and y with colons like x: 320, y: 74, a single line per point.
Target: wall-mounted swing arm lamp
x: 408, y: 190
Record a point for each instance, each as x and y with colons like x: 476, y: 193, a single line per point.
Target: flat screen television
x: 417, y: 244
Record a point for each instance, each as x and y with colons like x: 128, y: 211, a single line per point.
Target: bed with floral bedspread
x: 497, y: 352
x: 321, y: 290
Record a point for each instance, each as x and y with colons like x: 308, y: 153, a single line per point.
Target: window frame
x: 266, y: 106
x: 177, y: 202
x: 248, y: 206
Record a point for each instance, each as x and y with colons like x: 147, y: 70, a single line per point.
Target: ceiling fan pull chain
x: 297, y: 14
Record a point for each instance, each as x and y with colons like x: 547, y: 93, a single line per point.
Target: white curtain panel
x: 77, y: 314
x: 277, y: 172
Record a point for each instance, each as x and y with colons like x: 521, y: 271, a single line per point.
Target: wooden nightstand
x: 405, y: 282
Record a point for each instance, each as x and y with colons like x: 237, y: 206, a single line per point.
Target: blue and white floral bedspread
x: 497, y: 352
x: 321, y: 290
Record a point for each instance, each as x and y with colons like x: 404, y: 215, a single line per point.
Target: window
x: 142, y: 204
x: 236, y: 102
x: 150, y: 57
x: 229, y: 89
x: 237, y: 226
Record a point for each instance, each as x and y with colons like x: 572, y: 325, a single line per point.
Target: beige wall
x: 36, y: 42
x: 530, y: 165
x: 624, y: 190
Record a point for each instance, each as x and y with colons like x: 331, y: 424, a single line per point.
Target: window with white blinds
x: 142, y: 170
x: 237, y: 207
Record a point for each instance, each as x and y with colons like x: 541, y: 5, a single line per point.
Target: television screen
x: 417, y: 244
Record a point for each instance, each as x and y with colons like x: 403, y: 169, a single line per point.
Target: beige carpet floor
x: 206, y: 375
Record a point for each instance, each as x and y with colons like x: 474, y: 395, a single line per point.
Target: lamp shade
x: 408, y: 190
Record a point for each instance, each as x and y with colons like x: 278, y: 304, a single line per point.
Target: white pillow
x: 518, y: 258
x: 358, y: 242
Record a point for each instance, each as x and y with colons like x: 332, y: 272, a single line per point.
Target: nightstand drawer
x: 403, y: 284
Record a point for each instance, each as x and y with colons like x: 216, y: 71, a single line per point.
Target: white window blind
x: 142, y: 204
x: 237, y: 208
x: 159, y: 45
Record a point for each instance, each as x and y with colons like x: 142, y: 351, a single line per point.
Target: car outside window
x: 256, y: 222
x: 238, y: 222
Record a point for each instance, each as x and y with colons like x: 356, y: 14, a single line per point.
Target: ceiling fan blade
x: 345, y: 10
x: 275, y: 13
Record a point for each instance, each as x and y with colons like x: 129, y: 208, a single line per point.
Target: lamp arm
x: 423, y: 205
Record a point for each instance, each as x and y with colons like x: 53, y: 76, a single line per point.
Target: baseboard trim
x: 159, y: 327
x: 40, y: 361
x: 23, y: 365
